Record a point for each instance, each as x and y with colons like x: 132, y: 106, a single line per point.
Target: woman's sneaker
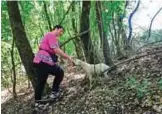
x: 40, y: 106
x: 54, y: 96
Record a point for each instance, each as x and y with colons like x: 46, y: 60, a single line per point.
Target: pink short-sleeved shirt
x: 48, y: 43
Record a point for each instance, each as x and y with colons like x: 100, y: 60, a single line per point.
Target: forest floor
x: 135, y: 87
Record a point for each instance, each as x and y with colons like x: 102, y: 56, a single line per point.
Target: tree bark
x: 116, y: 35
x: 14, y: 71
x: 103, y: 36
x: 85, y: 38
x: 21, y: 40
x: 76, y: 41
x: 99, y: 20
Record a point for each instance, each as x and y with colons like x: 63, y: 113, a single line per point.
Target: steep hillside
x: 135, y: 87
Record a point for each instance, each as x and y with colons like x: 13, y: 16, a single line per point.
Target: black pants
x: 43, y: 70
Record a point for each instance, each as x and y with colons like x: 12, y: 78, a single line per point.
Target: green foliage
x: 160, y: 84
x: 141, y: 88
x: 26, y: 8
x: 6, y: 64
x: 36, y: 25
x: 6, y: 68
x: 111, y: 8
x: 5, y: 24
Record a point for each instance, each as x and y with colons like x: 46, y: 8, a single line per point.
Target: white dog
x: 92, y: 69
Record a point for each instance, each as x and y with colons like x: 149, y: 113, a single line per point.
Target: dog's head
x: 76, y: 61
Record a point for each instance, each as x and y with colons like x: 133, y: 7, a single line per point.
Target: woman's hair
x: 58, y: 27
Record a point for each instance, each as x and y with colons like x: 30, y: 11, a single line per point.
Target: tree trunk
x: 76, y: 41
x: 14, y: 71
x: 130, y: 22
x: 85, y: 38
x: 103, y: 36
x: 47, y: 16
x: 116, y: 35
x: 119, y: 39
x: 152, y: 22
x: 99, y: 20
x: 106, y: 51
x: 21, y: 40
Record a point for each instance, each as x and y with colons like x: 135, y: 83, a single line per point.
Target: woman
x: 45, y: 63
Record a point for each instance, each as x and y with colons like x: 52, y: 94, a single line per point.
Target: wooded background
x: 95, y: 31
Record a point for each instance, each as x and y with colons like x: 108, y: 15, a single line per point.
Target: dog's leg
x: 105, y: 74
x: 90, y: 81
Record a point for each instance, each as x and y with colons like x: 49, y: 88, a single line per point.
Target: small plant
x: 140, y: 87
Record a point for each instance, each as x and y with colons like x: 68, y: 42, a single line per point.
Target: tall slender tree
x: 21, y: 41
x: 85, y: 38
x: 130, y: 21
x: 76, y: 41
x: 152, y: 21
x: 47, y: 16
x: 103, y: 36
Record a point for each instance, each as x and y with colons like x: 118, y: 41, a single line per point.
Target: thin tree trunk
x: 118, y: 43
x: 47, y: 16
x: 13, y: 70
x: 152, y: 22
x: 103, y: 37
x: 113, y: 24
x: 41, y: 29
x: 76, y: 41
x: 116, y: 36
x: 85, y: 38
x: 99, y: 20
x: 130, y: 23
x: 71, y: 5
x: 21, y: 40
